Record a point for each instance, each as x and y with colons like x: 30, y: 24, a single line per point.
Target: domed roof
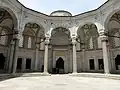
x: 60, y: 13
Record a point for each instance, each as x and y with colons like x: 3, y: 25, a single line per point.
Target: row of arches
x: 87, y: 33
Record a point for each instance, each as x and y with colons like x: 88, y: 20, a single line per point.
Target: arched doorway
x: 2, y: 61
x: 60, y: 66
x: 61, y: 45
x: 117, y: 62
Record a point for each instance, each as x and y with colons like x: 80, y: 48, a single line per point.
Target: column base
x: 74, y: 73
x: 107, y: 74
x: 46, y: 74
x: 14, y: 74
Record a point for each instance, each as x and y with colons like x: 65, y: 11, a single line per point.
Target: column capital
x: 104, y: 38
x: 47, y: 40
x: 74, y: 40
x: 103, y: 35
x: 12, y: 42
x: 16, y: 34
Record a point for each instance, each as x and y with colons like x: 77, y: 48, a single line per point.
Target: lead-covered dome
x: 60, y: 13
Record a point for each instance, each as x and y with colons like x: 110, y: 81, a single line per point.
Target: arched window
x: 29, y: 42
x: 3, y: 39
x: 117, y: 40
x: 99, y: 43
x: 21, y: 42
x: 91, y: 43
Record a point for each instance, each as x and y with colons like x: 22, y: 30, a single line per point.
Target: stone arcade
x: 59, y: 43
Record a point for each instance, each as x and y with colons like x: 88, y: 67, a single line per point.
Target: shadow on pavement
x: 4, y: 77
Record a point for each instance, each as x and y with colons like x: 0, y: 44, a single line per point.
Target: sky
x: 73, y: 6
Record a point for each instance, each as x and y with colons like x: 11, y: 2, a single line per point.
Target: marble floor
x: 59, y: 82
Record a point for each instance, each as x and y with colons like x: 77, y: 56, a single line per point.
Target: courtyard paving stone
x: 59, y: 82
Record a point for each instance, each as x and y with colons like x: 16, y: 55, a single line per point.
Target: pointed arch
x: 60, y: 36
x: 8, y: 24
x: 12, y: 14
x: 33, y: 33
x: 112, y: 24
x: 88, y: 34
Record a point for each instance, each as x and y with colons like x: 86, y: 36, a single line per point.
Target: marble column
x: 74, y: 55
x: 96, y: 64
x: 15, y: 56
x: 11, y: 56
x: 83, y: 61
x: 104, y: 40
x: 36, y: 57
x: 23, y: 64
x: 46, y: 56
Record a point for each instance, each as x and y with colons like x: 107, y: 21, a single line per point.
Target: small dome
x: 60, y: 13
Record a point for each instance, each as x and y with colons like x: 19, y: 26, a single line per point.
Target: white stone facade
x: 86, y: 42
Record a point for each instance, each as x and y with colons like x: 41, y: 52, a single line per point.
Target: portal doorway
x: 100, y: 64
x: 19, y: 64
x: 28, y: 64
x: 117, y: 62
x: 60, y: 66
x: 2, y: 61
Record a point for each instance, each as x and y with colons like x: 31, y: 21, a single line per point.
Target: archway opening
x: 89, y: 40
x: 2, y: 61
x: 112, y: 26
x: 89, y: 37
x: 60, y: 66
x: 33, y: 34
x: 8, y: 24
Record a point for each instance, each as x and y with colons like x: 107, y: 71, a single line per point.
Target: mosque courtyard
x: 60, y: 82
